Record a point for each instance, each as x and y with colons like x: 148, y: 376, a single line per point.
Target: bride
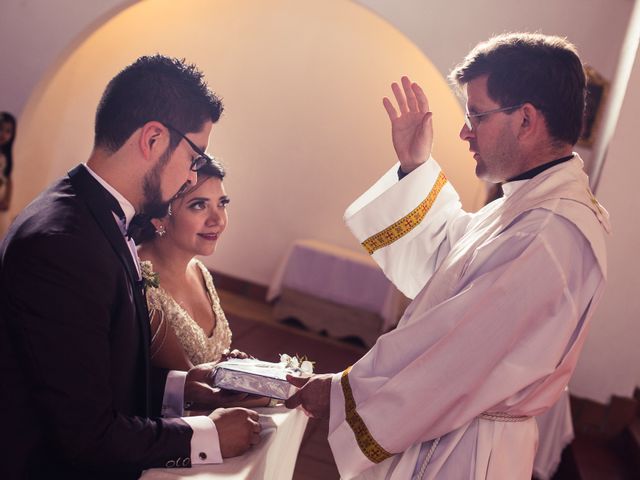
x: 188, y: 325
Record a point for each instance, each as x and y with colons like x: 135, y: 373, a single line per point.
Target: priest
x: 502, y: 298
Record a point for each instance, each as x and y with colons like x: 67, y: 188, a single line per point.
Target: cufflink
x: 170, y: 464
x: 202, y: 455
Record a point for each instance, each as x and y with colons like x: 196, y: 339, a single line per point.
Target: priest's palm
x: 411, y: 129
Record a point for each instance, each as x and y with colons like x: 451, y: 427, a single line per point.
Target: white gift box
x: 255, y: 376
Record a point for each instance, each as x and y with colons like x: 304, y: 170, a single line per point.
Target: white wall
x: 41, y: 33
x: 35, y: 34
x: 304, y: 132
x: 610, y: 362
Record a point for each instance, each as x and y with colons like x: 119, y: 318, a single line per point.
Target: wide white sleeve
x: 505, y: 329
x: 405, y: 224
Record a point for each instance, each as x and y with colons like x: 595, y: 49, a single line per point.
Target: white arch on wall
x: 304, y: 131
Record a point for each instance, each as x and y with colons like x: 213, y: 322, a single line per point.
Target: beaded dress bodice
x: 199, y: 347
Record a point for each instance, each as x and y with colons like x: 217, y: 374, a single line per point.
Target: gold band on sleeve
x: 407, y: 223
x: 371, y: 449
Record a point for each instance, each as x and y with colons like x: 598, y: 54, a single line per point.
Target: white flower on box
x: 302, y: 364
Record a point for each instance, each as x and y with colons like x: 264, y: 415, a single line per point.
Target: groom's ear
x: 154, y: 140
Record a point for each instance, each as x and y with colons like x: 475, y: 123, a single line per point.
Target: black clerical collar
x: 539, y: 169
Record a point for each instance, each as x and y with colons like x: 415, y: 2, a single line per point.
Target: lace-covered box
x: 255, y: 376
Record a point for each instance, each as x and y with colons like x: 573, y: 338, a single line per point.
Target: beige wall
x: 304, y: 131
x: 611, y: 359
x: 41, y: 35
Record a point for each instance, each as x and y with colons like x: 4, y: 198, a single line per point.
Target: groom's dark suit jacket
x: 77, y: 397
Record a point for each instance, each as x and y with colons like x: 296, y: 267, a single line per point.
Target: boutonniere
x: 299, y: 363
x: 150, y: 279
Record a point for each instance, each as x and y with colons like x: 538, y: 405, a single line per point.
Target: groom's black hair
x: 167, y: 90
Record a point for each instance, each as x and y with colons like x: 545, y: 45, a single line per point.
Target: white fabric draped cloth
x: 501, y: 303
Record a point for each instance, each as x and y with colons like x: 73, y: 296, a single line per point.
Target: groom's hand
x: 314, y: 394
x: 238, y: 429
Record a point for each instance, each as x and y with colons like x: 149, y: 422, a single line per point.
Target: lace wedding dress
x: 163, y: 310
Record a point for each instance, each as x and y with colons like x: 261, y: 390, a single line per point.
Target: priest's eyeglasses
x: 201, y: 160
x: 468, y: 116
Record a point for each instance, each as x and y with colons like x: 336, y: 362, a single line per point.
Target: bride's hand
x: 235, y: 353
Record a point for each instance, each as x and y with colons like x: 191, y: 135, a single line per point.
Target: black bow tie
x: 137, y: 227
x: 138, y: 224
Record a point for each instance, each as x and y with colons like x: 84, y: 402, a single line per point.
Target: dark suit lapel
x: 100, y: 202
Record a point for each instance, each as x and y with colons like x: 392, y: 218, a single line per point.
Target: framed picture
x: 597, y: 90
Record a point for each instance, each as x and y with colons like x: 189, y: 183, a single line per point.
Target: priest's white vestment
x: 501, y: 302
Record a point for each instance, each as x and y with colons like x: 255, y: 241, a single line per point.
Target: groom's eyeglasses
x: 202, y: 159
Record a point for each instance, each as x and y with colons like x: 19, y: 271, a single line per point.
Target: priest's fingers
x: 297, y: 381
x: 400, y: 98
x: 391, y: 111
x: 412, y: 103
x: 421, y: 97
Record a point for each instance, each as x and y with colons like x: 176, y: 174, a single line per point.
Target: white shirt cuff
x: 173, y: 399
x: 205, y: 444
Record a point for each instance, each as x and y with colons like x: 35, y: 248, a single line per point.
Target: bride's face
x: 199, y: 218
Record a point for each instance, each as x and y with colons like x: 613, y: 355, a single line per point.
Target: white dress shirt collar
x: 127, y: 207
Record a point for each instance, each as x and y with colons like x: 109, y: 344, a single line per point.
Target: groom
x: 79, y: 398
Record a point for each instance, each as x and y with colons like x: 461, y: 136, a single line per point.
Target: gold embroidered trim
x: 407, y: 223
x: 594, y: 200
x: 372, y: 449
x: 503, y: 417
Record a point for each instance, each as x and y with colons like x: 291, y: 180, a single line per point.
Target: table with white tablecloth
x: 274, y: 458
x: 333, y: 289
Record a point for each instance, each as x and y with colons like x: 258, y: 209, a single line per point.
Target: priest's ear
x: 532, y: 122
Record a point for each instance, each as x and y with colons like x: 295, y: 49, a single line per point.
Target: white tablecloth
x: 555, y: 433
x: 341, y: 276
x: 274, y: 458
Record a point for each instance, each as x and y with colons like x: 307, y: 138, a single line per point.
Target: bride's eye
x: 224, y: 202
x: 197, y: 205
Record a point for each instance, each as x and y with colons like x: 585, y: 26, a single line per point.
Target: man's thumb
x: 297, y: 381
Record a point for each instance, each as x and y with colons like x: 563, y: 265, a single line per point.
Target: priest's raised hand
x: 411, y: 125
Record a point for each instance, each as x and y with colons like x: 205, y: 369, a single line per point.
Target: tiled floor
x: 256, y: 332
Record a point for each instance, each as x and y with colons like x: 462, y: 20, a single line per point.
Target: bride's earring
x: 161, y: 231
